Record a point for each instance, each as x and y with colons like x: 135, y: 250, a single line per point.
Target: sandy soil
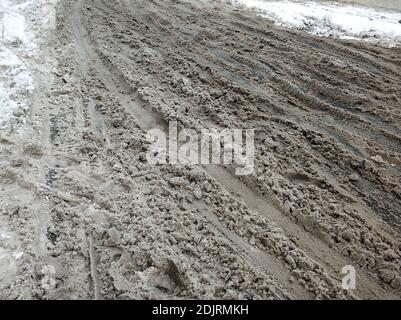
x: 85, y: 217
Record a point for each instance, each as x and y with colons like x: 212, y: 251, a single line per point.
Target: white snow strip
x: 17, y: 46
x: 332, y: 19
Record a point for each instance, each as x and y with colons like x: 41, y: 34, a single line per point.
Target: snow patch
x: 8, y: 259
x: 16, y: 83
x: 14, y: 27
x: 331, y: 19
x: 17, y: 46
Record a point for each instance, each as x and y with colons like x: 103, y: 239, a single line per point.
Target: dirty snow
x: 9, y: 254
x: 330, y: 19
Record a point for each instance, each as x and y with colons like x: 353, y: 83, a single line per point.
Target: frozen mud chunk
x: 33, y: 148
x: 198, y: 194
x: 114, y: 237
x: 396, y: 283
x: 347, y: 235
x: 386, y: 275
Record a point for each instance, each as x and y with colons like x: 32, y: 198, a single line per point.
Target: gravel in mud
x: 95, y: 221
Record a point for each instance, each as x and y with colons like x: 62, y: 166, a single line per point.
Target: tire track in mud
x: 299, y: 54
x: 201, y: 55
x: 36, y: 161
x: 94, y: 267
x: 152, y: 119
x: 257, y: 257
x: 29, y: 165
x: 149, y: 120
x: 327, y: 100
x: 385, y: 137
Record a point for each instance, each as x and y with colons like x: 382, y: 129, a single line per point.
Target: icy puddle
x: 343, y: 21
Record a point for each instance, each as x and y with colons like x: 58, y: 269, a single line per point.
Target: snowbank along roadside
x: 332, y: 19
x: 21, y: 23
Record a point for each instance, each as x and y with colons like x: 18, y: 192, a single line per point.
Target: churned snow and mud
x: 84, y: 216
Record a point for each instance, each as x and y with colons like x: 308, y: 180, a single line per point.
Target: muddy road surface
x: 85, y: 216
